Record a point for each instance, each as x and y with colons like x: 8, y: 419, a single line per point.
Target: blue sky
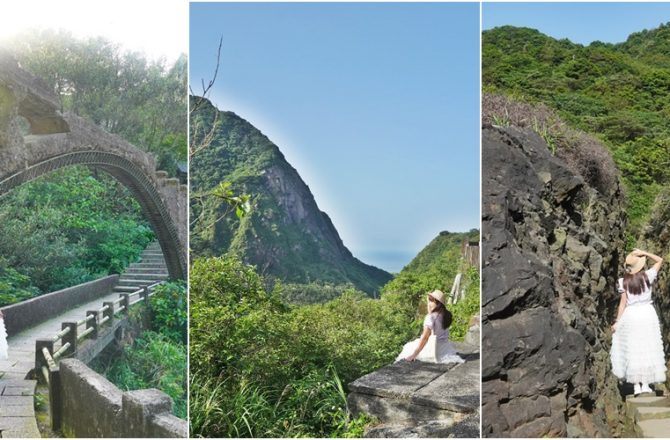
x: 579, y: 22
x: 375, y: 105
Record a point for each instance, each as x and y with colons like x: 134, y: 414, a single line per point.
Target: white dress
x: 438, y: 349
x: 637, y: 348
x: 3, y: 340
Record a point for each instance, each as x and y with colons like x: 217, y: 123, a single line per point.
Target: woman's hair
x: 447, y: 316
x: 635, y: 283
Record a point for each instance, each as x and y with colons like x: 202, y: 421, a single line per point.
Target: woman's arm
x: 657, y: 260
x: 422, y: 343
x: 622, y: 307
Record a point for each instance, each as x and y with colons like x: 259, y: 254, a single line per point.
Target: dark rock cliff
x: 656, y: 239
x: 551, y: 247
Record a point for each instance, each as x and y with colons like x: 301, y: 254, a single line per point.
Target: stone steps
x: 143, y: 276
x: 417, y: 399
x: 650, y: 414
x: 150, y: 269
x: 144, y: 280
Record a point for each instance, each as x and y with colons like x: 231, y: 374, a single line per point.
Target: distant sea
x: 390, y: 261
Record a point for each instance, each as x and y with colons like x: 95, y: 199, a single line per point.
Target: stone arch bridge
x: 55, y: 140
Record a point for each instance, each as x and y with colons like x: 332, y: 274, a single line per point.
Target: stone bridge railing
x: 84, y: 340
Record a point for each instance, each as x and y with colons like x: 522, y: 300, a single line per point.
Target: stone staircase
x: 150, y: 269
x: 650, y: 414
x: 417, y: 399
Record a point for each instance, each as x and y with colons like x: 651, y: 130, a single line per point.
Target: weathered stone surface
x: 166, y: 425
x: 93, y: 407
x: 17, y: 413
x: 658, y: 428
x: 139, y: 407
x: 466, y: 428
x: 548, y: 297
x: 417, y: 399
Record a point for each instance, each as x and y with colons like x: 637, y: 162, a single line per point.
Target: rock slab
x: 417, y: 399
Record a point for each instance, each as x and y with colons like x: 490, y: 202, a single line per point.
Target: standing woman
x: 3, y: 337
x: 637, y: 348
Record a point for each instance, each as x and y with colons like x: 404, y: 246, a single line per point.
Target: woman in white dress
x: 637, y: 348
x: 433, y: 345
x: 3, y: 337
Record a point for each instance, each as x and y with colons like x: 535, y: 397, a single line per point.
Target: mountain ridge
x: 285, y: 235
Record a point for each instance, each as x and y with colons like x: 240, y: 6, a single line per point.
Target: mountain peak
x: 285, y: 235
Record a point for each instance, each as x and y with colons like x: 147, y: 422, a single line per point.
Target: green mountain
x: 285, y: 235
x: 443, y: 252
x: 435, y: 266
x: 618, y: 92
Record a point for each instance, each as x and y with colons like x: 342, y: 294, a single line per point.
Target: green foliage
x: 143, y: 101
x: 153, y: 361
x: 168, y: 312
x: 14, y: 286
x: 158, y: 357
x: 252, y: 354
x: 313, y: 293
x: 262, y: 368
x: 618, y: 92
x: 435, y: 267
x: 66, y: 228
x: 309, y: 406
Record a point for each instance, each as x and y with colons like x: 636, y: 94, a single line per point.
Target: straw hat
x: 437, y: 295
x: 634, y: 264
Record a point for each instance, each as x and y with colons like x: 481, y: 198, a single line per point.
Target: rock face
x: 551, y: 246
x: 656, y: 239
x: 285, y: 235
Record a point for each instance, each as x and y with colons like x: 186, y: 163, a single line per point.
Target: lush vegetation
x: 141, y: 100
x: 78, y: 224
x: 261, y: 367
x: 64, y: 229
x: 284, y: 233
x: 157, y: 357
x: 617, y: 92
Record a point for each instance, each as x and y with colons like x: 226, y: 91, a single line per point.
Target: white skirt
x: 3, y: 340
x: 435, y: 351
x: 637, y: 348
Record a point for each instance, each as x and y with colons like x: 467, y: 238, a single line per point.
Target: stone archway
x: 56, y: 140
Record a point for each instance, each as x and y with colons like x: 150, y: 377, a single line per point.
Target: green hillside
x: 285, y: 235
x: 618, y: 92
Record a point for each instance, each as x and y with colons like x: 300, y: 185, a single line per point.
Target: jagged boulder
x: 551, y: 246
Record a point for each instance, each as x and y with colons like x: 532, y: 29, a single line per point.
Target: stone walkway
x: 420, y: 399
x: 17, y: 409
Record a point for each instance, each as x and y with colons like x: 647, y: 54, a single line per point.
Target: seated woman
x: 433, y: 345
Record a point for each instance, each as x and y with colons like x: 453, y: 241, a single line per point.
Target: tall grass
x: 314, y: 406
